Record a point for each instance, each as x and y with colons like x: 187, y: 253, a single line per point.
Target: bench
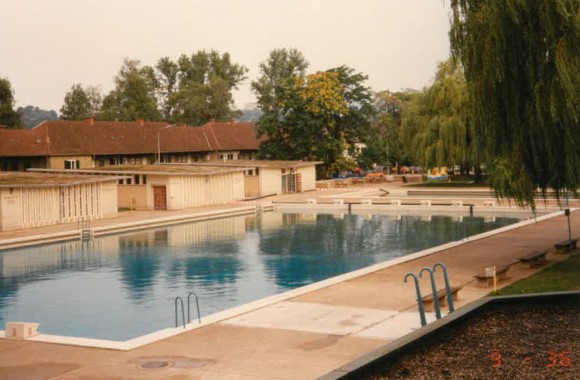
x: 566, y: 245
x: 535, y: 259
x: 486, y: 279
x: 441, y: 296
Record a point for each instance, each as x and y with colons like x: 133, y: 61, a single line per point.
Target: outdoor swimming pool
x: 122, y: 286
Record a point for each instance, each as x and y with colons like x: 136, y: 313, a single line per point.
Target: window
x: 27, y: 165
x: 129, y: 181
x: 144, y: 180
x: 72, y: 164
x: 257, y: 171
x: 136, y: 179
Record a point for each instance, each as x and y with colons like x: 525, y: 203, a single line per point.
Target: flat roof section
x: 30, y: 179
x: 165, y: 169
x: 258, y: 163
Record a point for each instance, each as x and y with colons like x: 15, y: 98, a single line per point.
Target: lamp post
x: 159, y: 141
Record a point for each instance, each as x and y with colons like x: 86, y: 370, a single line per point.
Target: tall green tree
x: 281, y: 65
x: 435, y: 123
x: 314, y: 117
x: 354, y: 125
x: 522, y: 65
x: 77, y: 105
x: 199, y: 87
x: 167, y: 72
x: 8, y: 116
x: 383, y: 144
x: 274, y: 89
x: 134, y: 95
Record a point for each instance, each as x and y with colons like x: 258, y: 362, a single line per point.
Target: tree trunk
x: 478, y: 174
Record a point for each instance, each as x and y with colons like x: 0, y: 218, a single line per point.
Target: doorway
x: 159, y: 198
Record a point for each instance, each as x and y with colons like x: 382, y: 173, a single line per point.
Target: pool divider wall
x: 358, y: 367
x: 358, y: 206
x: 233, y: 312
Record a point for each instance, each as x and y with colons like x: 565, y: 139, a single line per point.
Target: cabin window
x: 72, y: 164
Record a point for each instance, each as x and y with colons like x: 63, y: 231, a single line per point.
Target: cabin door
x: 159, y: 198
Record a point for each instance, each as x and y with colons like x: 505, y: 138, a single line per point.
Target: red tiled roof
x: 60, y: 137
x: 232, y: 135
x: 183, y: 139
x: 23, y: 142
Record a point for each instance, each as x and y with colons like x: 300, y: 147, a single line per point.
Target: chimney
x: 140, y: 122
x: 90, y: 120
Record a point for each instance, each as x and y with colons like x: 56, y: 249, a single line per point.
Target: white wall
x: 270, y: 181
x: 187, y: 191
x: 10, y: 209
x: 308, y: 174
x: 109, y: 199
x: 153, y: 180
x: 42, y: 206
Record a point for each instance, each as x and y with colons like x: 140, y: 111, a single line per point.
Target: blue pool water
x: 122, y: 286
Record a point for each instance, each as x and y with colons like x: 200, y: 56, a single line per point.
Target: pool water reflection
x: 122, y: 286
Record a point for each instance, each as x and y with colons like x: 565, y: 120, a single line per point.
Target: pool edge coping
x: 264, y: 302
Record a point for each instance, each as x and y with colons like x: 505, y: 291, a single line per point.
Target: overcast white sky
x: 47, y: 45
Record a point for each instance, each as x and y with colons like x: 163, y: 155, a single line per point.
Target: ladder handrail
x: 182, y: 311
x: 197, y: 303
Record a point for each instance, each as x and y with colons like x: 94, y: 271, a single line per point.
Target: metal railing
x: 188, y: 309
x: 434, y: 290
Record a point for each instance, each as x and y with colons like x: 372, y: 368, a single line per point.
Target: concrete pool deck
x: 304, y: 336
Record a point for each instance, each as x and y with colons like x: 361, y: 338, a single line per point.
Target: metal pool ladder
x: 188, y: 309
x: 85, y: 226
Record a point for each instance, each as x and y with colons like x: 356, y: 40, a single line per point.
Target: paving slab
x: 400, y: 324
x: 312, y: 317
x: 233, y: 352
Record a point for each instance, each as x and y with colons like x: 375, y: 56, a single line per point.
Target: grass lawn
x: 454, y: 181
x: 561, y: 276
x: 445, y: 184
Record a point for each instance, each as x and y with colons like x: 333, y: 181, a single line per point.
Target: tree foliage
x: 281, y: 65
x: 133, y: 96
x: 32, y: 116
x: 383, y: 144
x: 199, y: 87
x: 313, y: 117
x: 435, y: 126
x: 8, y: 116
x: 77, y: 105
x: 522, y: 65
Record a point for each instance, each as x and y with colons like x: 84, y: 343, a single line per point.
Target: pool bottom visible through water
x: 123, y: 286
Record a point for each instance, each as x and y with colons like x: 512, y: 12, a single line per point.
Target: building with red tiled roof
x: 61, y: 144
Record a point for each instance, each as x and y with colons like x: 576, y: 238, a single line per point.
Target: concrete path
x: 299, y: 338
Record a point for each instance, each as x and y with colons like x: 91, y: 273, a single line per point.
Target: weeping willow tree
x: 435, y: 126
x: 522, y: 66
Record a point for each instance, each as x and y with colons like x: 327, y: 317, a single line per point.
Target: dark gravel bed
x: 525, y: 340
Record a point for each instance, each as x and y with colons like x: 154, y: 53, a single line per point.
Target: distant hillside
x: 250, y: 115
x: 32, y: 116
